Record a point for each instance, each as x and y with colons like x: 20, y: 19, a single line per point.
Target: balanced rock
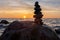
x: 38, y: 14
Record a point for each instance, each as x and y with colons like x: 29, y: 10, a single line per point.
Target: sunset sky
x: 21, y: 8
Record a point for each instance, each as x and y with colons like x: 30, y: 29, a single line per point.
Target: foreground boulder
x: 57, y: 31
x: 14, y: 31
x: 43, y: 33
x: 37, y: 32
x: 16, y: 25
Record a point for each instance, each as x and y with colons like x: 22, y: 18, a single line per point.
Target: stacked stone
x: 38, y: 14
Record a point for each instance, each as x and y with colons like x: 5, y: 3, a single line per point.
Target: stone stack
x: 38, y: 14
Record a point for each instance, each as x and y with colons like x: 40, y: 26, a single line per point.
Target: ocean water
x: 47, y: 21
x: 51, y: 22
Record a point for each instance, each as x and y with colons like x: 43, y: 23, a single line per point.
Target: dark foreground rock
x: 4, y: 22
x: 16, y: 31
x: 43, y: 33
x: 16, y: 25
x: 57, y: 31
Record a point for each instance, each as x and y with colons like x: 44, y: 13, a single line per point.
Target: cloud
x: 29, y: 4
x: 3, y: 3
x: 53, y: 3
x: 26, y: 6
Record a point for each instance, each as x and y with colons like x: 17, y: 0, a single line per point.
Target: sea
x: 48, y: 21
x: 51, y: 22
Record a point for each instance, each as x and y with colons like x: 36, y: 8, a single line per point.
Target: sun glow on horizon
x: 24, y: 16
x: 25, y: 8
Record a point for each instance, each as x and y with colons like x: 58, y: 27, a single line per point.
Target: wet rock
x: 16, y: 25
x: 15, y: 31
x: 37, y: 32
x: 43, y: 33
x: 11, y: 30
x: 57, y: 31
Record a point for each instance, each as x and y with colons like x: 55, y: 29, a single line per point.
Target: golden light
x: 24, y: 16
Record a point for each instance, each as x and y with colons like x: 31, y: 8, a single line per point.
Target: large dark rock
x: 16, y: 25
x: 43, y: 33
x: 11, y: 30
x: 57, y: 31
x: 4, y: 22
x: 16, y: 31
x: 37, y: 32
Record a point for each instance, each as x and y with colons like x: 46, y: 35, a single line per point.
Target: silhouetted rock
x: 16, y: 31
x: 43, y: 33
x: 16, y: 25
x: 10, y: 35
x: 57, y: 31
x: 11, y: 30
x: 37, y: 32
x: 4, y: 22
